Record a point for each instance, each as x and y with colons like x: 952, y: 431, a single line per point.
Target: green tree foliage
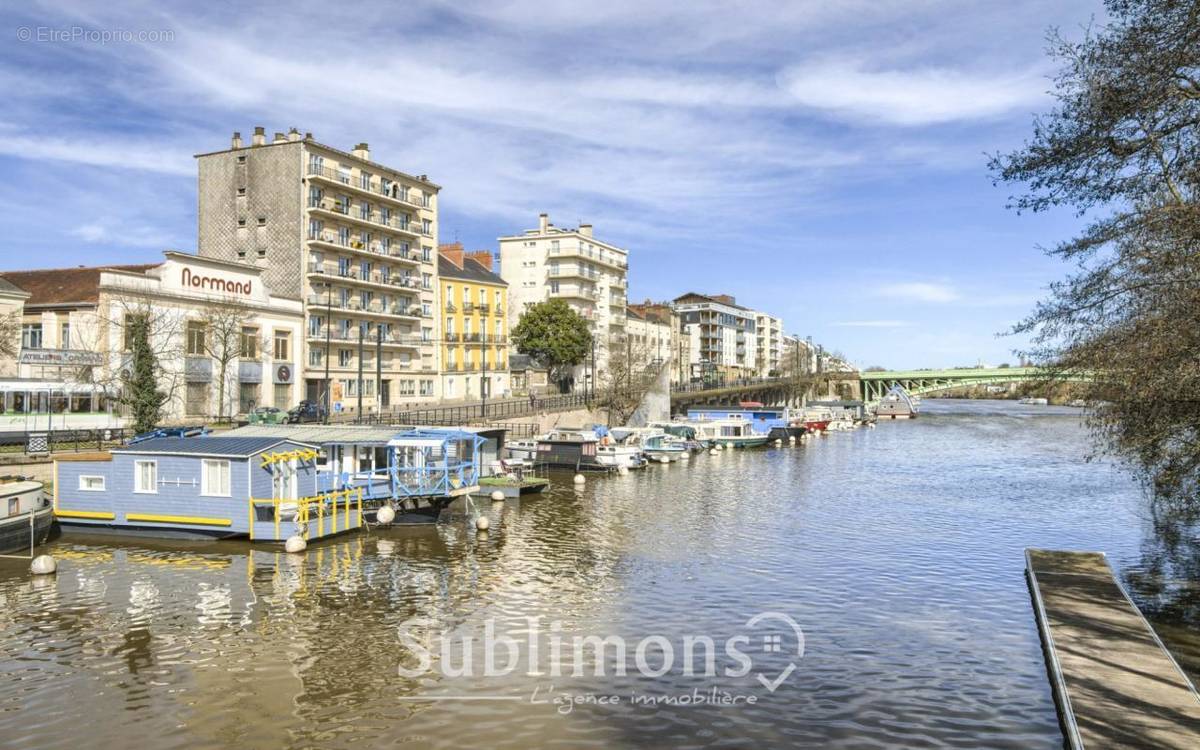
x: 1122, y: 148
x: 553, y: 334
x: 141, y: 391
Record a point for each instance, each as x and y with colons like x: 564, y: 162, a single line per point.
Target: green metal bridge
x: 875, y: 385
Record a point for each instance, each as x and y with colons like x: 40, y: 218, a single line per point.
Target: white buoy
x: 712, y: 451
x: 778, y: 442
x: 664, y: 459
x: 579, y: 479
x: 791, y: 438
x: 685, y: 456
x: 497, y: 496
x: 385, y: 515
x: 482, y: 523
x: 295, y: 544
x: 43, y: 565
x: 870, y: 425
x: 622, y: 470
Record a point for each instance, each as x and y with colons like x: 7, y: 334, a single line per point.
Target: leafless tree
x: 229, y: 336
x: 632, y: 370
x: 10, y: 334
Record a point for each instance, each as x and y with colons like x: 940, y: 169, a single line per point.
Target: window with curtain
x: 145, y: 476
x: 214, y: 477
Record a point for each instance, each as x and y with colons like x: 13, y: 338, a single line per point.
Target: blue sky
x: 822, y: 161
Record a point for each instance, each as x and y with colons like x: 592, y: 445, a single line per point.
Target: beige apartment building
x: 665, y: 335
x: 591, y: 275
x: 355, y: 241
x: 769, y: 344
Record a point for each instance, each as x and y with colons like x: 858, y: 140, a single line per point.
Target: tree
x: 555, y: 335
x: 141, y: 392
x: 630, y: 374
x: 1122, y: 147
x: 10, y: 334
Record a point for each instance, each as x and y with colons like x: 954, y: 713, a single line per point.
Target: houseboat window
x: 91, y: 483
x: 145, y: 475
x: 214, y: 479
x: 13, y: 507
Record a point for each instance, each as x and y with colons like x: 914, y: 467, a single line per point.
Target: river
x: 896, y: 551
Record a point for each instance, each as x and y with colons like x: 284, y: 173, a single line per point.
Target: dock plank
x: 1115, y: 683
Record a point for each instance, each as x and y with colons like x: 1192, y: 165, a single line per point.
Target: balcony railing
x: 373, y: 187
x: 375, y: 248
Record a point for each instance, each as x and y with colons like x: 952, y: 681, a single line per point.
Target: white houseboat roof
x: 318, y: 434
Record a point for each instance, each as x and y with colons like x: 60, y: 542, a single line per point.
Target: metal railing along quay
x: 463, y: 414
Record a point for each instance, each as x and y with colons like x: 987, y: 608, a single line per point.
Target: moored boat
x: 26, y: 515
x: 729, y: 433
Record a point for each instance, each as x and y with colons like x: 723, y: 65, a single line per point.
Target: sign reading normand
x: 204, y: 282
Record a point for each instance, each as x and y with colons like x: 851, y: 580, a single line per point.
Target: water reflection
x: 898, y: 550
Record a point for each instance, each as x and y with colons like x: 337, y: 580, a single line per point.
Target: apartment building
x: 474, y: 314
x: 800, y: 355
x: 354, y: 240
x: 647, y: 337
x: 678, y: 343
x: 723, y: 338
x: 550, y: 262
x: 768, y: 344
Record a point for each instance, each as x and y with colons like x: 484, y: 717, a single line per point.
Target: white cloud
x: 874, y: 324
x: 917, y: 96
x: 918, y: 291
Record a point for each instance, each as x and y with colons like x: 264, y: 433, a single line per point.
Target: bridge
x: 875, y: 385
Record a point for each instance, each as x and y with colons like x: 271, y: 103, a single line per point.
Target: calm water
x: 898, y: 551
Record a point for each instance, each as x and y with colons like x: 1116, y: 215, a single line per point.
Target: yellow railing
x: 341, y: 509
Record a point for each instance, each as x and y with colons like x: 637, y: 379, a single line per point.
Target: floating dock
x: 1115, y: 683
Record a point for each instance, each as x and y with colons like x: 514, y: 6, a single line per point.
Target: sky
x: 822, y: 161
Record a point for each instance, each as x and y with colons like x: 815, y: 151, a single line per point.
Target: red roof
x: 63, y: 286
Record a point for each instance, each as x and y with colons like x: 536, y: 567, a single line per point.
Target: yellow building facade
x: 474, y: 302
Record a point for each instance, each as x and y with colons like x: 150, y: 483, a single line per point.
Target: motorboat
x: 26, y: 514
x: 729, y: 433
x: 655, y: 443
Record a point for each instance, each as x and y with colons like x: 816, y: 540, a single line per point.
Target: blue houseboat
x: 776, y: 423
x: 266, y: 489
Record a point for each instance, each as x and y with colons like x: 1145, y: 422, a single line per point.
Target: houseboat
x: 729, y: 433
x: 513, y: 478
x: 265, y: 489
x: 776, y: 422
x: 25, y: 515
x: 586, y: 449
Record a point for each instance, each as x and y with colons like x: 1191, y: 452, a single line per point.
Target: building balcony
x: 344, y: 180
x: 468, y: 308
x: 574, y: 293
x: 373, y: 220
x: 572, y: 273
x: 328, y: 240
x: 483, y: 309
x: 593, y: 256
x: 402, y: 340
x: 374, y: 308
x: 377, y: 278
x: 453, y: 338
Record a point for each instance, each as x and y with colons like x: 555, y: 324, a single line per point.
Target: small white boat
x: 25, y: 513
x: 654, y: 442
x: 729, y: 433
x: 1030, y: 401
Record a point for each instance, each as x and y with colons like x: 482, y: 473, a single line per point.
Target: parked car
x: 267, y: 415
x: 307, y: 411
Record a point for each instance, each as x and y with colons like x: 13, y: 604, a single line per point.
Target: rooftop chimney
x: 260, y: 137
x: 585, y: 230
x: 280, y: 138
x: 482, y: 257
x: 237, y: 140
x: 362, y: 151
x: 543, y: 222
x: 308, y: 136
x: 453, y: 252
x: 293, y: 135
